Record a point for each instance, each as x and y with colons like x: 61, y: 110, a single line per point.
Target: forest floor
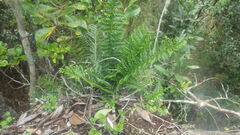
x: 72, y: 117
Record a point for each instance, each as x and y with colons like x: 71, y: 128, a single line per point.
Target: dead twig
x: 70, y: 87
x: 14, y: 80
x: 170, y: 123
x: 140, y: 130
x: 203, y: 103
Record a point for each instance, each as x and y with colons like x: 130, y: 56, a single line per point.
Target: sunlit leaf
x: 18, y: 50
x: 132, y: 11
x: 94, y: 131
x: 77, y: 23
x: 194, y: 67
x: 74, y: 22
x: 181, y: 78
x: 46, y: 8
x: 199, y: 38
x: 63, y: 38
x: 101, y: 113
x: 66, y: 11
x: 3, y: 63
x: 2, y: 48
x: 131, y: 2
x: 87, y: 1
x: 11, y: 52
x: 80, y: 6
x: 42, y: 34
x: 162, y: 70
x: 78, y: 32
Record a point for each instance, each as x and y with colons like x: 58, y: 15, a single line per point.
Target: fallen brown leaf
x: 21, y: 118
x: 144, y: 114
x: 24, y: 120
x: 68, y: 115
x: 78, y: 103
x: 111, y: 119
x: 39, y: 132
x: 30, y: 130
x: 57, y: 112
x: 75, y: 119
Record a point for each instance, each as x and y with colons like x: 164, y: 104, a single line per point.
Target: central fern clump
x: 118, y: 62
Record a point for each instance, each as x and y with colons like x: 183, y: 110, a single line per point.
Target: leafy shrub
x: 10, y: 56
x: 51, y: 102
x: 7, y: 121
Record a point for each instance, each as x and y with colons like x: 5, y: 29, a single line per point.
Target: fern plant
x: 104, y: 41
x: 118, y: 62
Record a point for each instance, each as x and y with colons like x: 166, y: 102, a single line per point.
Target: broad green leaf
x: 77, y: 23
x: 44, y: 33
x: 54, y: 60
x: 2, y: 48
x: 132, y: 11
x: 199, y: 38
x: 94, y: 131
x: 42, y: 52
x: 131, y: 2
x: 18, y: 50
x: 46, y: 8
x: 3, y: 57
x: 74, y: 22
x: 63, y: 38
x: 80, y: 6
x: 162, y: 70
x: 11, y: 52
x: 3, y: 63
x: 181, y: 78
x: 194, y: 67
x: 66, y: 11
x: 102, y: 112
x: 78, y: 32
x: 87, y: 1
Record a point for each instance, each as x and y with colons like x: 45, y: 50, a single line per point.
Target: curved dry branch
x: 203, y: 103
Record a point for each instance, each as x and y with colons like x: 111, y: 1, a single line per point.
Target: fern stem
x: 110, y: 58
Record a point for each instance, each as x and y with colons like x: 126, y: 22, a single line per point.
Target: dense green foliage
x: 10, y: 56
x: 107, y: 47
x: 117, y: 62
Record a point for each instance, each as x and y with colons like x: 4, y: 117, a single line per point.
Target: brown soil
x: 135, y: 125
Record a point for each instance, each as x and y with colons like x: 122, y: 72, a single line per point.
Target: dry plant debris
x: 71, y: 116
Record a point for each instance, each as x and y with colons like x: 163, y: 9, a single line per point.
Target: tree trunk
x: 17, y: 10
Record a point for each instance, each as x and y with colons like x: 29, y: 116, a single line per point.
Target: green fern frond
x: 89, y: 76
x: 138, y: 56
x: 93, y: 36
x: 90, y: 40
x: 111, y: 24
